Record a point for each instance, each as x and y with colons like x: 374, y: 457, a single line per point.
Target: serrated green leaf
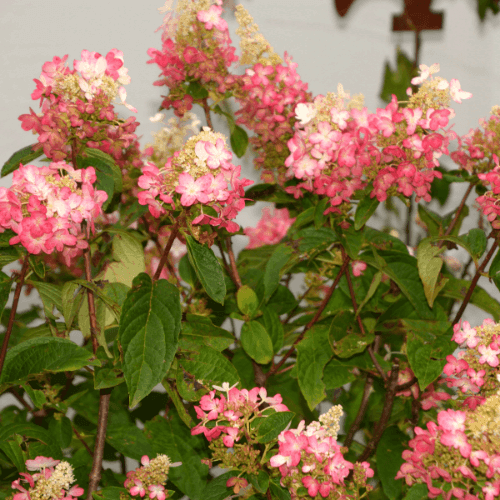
x: 14, y: 453
x: 42, y: 355
x: 313, y: 353
x: 424, y: 367
x: 217, y: 489
x: 207, y: 268
x: 187, y: 272
x: 61, y: 430
x: 196, y: 90
x: 278, y: 492
x: 402, y: 269
x: 71, y: 297
x: 319, y: 217
x: 50, y: 295
x: 199, y: 331
x: 259, y: 481
x: 429, y: 269
x: 397, y: 80
x: 271, y: 426
x: 257, y: 342
x: 149, y: 334
x: 107, y: 377
x: 210, y: 366
x: 477, y: 242
x: 24, y: 156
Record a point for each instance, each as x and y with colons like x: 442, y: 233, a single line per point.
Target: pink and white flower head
x: 202, y: 174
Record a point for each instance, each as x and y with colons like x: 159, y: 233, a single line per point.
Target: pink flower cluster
x: 268, y: 96
x: 477, y: 367
x: 150, y: 478
x: 478, y: 149
x: 203, y: 175
x: 78, y: 103
x: 233, y: 411
x: 337, y: 151
x: 52, y: 481
x: 489, y: 202
x: 271, y: 228
x: 444, y: 453
x: 311, y: 458
x: 46, y: 205
x: 205, y: 54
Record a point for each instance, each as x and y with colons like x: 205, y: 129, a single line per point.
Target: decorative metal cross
x: 417, y: 15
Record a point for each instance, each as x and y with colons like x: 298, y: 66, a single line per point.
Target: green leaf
x: 12, y: 448
x: 61, y: 430
x: 9, y: 254
x: 149, y: 334
x: 271, y: 426
x: 247, y: 300
x: 239, y: 141
x: 24, y: 156
x: 196, y: 90
x: 199, y: 331
x: 336, y: 374
x: 417, y: 492
x: 319, y: 217
x: 424, y: 367
x: 484, y: 5
x: 170, y: 436
x: 71, y: 297
x: 278, y: 492
x: 279, y: 259
x: 107, y: 377
x: 5, y: 287
x: 110, y: 161
x: 187, y: 272
x: 50, y: 295
x: 37, y: 397
x: 217, y: 489
x: 130, y: 256
x: 125, y: 436
x: 429, y: 268
x: 397, y: 80
x: 495, y: 266
x: 41, y: 355
x: 257, y: 342
x: 210, y: 366
x: 311, y: 238
x: 389, y: 451
x: 282, y: 301
x: 402, y: 269
x: 179, y: 405
x: 207, y: 268
x: 457, y: 289
x: 110, y: 493
x: 274, y: 328
x: 260, y: 481
x: 477, y: 242
x: 366, y: 208
x: 313, y: 353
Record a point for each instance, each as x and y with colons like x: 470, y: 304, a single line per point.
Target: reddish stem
x: 206, y: 108
x: 311, y: 323
x: 168, y: 246
x: 232, y: 260
x: 102, y: 423
x: 474, y: 281
x: 13, y: 312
